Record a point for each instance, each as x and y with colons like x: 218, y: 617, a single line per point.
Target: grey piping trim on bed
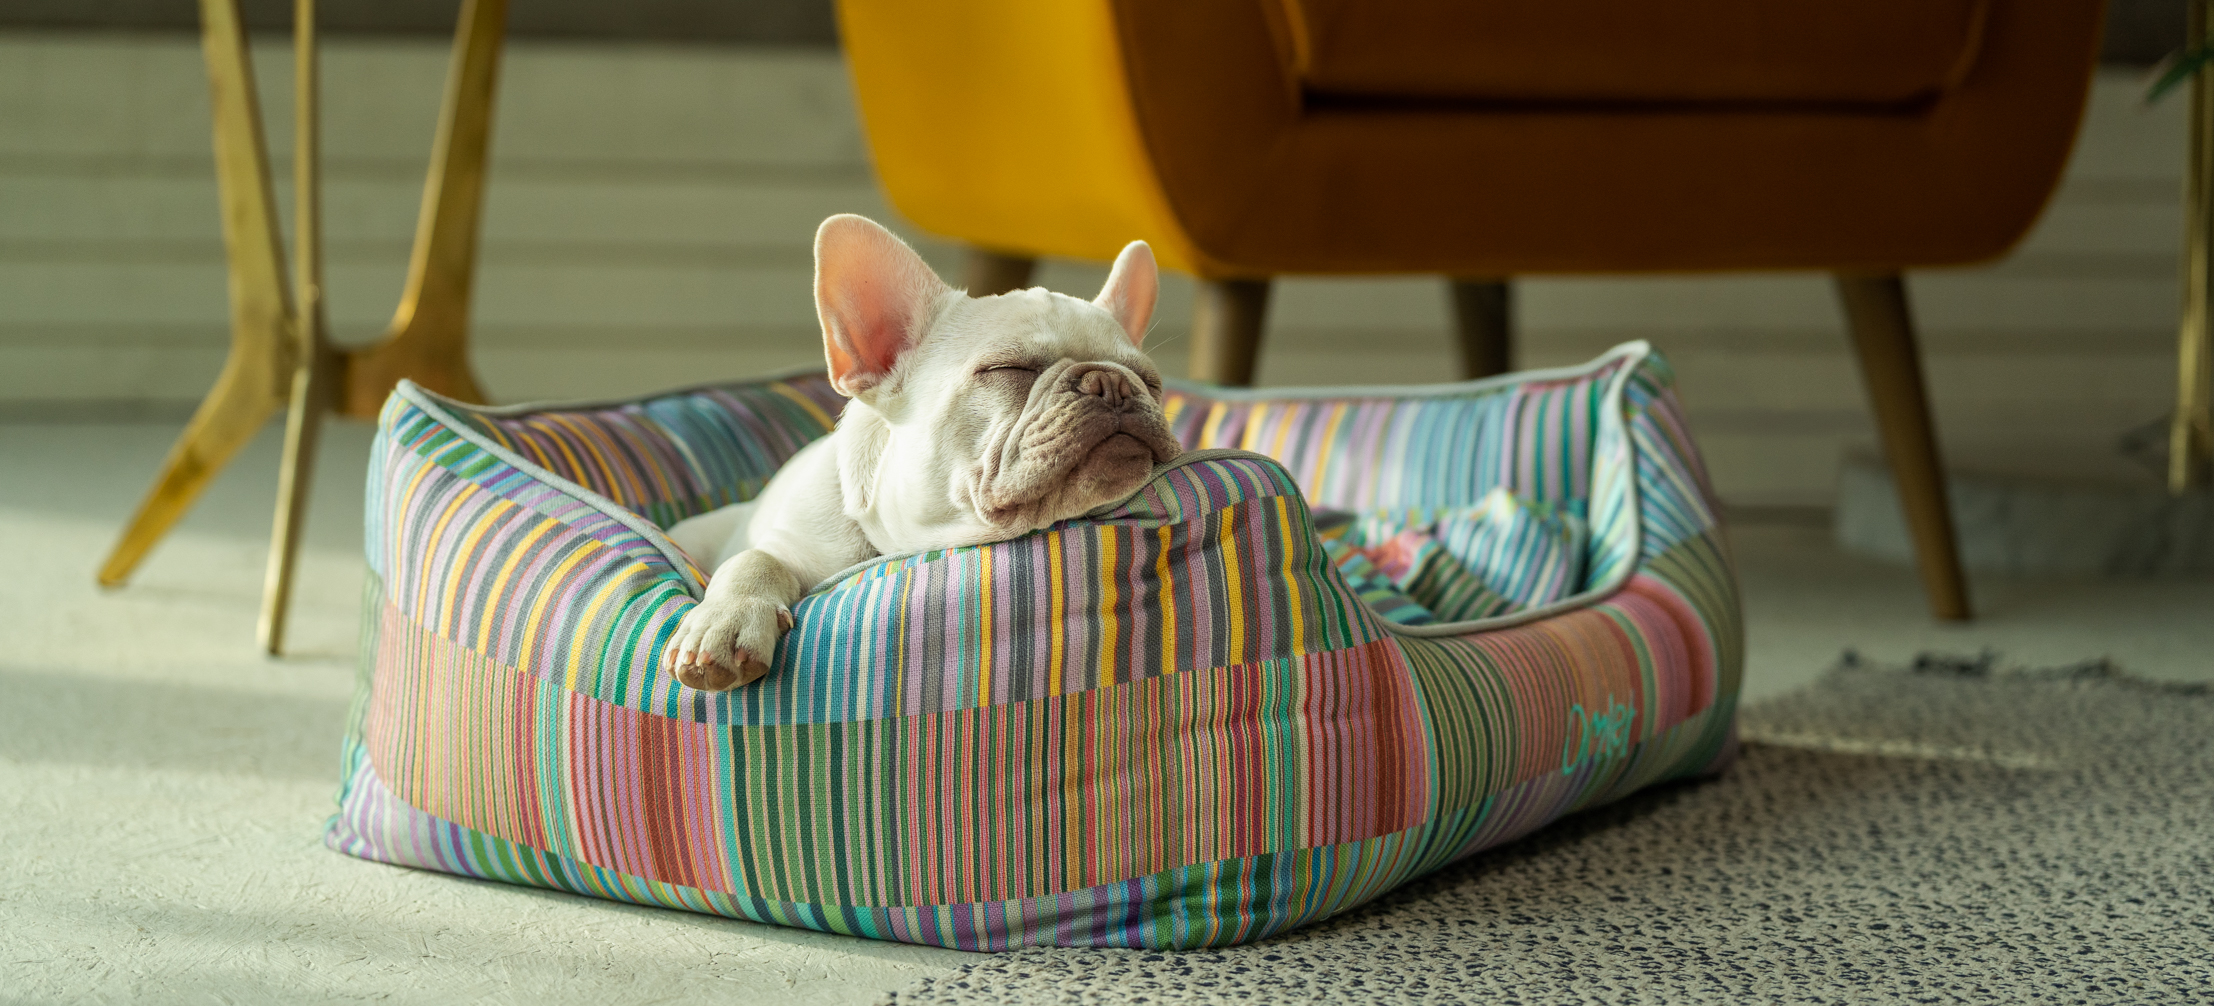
x: 444, y: 408
x: 1633, y: 351
x: 1628, y: 354
x: 563, y: 405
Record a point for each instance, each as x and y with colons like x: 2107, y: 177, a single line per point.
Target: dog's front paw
x: 726, y: 643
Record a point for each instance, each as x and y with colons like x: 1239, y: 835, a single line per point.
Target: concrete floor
x: 163, y: 787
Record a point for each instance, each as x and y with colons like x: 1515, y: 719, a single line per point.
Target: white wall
x: 650, y: 210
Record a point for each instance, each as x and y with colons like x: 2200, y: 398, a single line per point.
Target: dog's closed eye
x: 1009, y: 373
x: 1008, y: 378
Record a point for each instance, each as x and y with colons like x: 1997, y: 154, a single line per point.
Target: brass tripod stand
x: 281, y: 356
x: 2191, y: 431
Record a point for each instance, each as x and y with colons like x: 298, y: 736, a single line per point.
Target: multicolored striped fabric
x: 1168, y: 724
x: 1417, y: 568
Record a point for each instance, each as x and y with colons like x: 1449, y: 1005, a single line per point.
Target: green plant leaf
x: 2176, y: 69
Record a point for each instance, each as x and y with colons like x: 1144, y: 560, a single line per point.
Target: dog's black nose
x: 1104, y: 384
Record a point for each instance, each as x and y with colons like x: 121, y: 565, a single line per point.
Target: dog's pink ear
x: 1131, y: 289
x: 874, y: 295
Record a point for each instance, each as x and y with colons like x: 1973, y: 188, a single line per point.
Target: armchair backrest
x: 1738, y: 51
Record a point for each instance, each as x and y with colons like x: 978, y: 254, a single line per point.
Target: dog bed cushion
x: 1506, y: 554
x: 1170, y: 723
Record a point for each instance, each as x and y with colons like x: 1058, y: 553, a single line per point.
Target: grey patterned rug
x: 1950, y: 833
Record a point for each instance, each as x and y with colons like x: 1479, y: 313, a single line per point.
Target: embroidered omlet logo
x: 1604, y: 735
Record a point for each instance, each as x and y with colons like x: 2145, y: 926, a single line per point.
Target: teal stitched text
x: 1602, y: 736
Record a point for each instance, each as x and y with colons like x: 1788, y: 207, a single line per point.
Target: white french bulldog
x: 971, y: 420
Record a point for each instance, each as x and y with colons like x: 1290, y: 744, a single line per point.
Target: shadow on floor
x: 117, y: 723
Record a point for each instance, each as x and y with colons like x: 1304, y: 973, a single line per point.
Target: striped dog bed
x: 1170, y: 723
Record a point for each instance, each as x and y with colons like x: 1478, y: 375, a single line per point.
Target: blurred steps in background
x: 651, y: 207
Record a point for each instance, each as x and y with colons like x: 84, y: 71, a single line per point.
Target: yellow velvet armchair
x: 1483, y: 139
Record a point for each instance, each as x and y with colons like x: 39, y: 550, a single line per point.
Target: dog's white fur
x: 971, y: 420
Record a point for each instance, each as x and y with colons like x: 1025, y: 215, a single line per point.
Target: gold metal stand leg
x: 1483, y: 319
x: 312, y: 393
x: 1883, y: 334
x: 282, y: 358
x: 1226, y: 330
x: 257, y: 376
x: 2191, y: 435
x: 311, y: 388
x: 428, y: 341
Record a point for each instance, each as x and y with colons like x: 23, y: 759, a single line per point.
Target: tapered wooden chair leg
x: 1483, y: 321
x: 990, y: 273
x: 1226, y: 330
x: 256, y: 377
x: 1883, y: 335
